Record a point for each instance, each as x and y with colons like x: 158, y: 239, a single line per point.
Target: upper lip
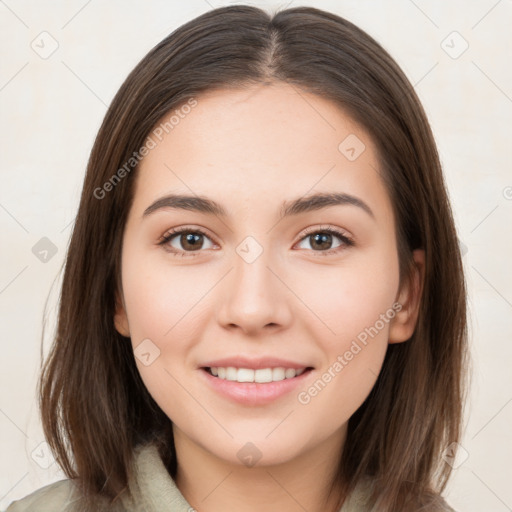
x: 254, y: 363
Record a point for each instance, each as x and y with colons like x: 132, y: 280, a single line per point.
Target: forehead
x: 265, y: 142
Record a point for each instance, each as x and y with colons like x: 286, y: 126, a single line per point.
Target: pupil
x: 322, y: 238
x: 191, y: 239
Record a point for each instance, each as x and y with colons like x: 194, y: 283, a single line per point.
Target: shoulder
x: 150, y: 479
x: 358, y: 501
x: 61, y: 496
x: 57, y: 496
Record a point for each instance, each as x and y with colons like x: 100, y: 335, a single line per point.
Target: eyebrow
x: 289, y: 208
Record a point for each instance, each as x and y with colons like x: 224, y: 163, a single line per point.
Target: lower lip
x: 254, y: 393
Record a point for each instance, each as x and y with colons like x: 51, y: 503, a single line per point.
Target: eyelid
x: 171, y: 233
x: 329, y: 228
x: 347, y: 240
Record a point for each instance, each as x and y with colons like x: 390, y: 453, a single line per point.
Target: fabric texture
x: 151, y: 490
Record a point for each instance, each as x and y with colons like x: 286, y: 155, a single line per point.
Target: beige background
x: 51, y: 108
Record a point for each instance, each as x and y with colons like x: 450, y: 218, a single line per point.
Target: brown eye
x: 322, y: 240
x: 191, y: 241
x: 186, y: 240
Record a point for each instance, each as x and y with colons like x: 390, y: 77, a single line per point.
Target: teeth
x: 289, y: 373
x: 261, y: 375
x: 231, y: 373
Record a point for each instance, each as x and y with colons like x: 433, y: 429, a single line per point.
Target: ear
x: 120, y: 317
x: 403, y: 324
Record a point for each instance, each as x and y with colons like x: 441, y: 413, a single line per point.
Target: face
x: 262, y: 283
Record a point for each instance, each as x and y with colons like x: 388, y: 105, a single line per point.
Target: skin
x: 249, y: 150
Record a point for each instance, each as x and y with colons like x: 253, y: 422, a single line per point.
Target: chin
x: 259, y: 450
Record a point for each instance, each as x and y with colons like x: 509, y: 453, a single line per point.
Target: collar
x: 152, y: 489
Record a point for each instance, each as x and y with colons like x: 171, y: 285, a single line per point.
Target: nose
x: 254, y: 298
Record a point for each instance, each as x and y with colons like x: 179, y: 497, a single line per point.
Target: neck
x: 211, y: 484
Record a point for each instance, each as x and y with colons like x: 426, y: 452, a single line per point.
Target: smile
x: 254, y: 387
x: 261, y: 375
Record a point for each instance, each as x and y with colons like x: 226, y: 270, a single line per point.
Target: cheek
x: 354, y: 303
x: 164, y: 305
x: 163, y: 301
x: 359, y: 314
x: 350, y: 298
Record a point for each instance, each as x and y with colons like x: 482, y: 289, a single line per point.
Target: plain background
x: 52, y: 105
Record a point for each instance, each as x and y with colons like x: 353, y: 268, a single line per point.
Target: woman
x: 263, y: 305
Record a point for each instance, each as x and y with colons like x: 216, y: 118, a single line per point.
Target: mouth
x: 254, y: 387
x: 259, y: 375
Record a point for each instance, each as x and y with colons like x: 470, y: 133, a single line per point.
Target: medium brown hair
x: 95, y: 408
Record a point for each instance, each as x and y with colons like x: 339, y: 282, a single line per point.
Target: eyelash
x: 347, y: 241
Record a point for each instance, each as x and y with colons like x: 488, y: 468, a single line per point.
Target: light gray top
x: 151, y: 490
